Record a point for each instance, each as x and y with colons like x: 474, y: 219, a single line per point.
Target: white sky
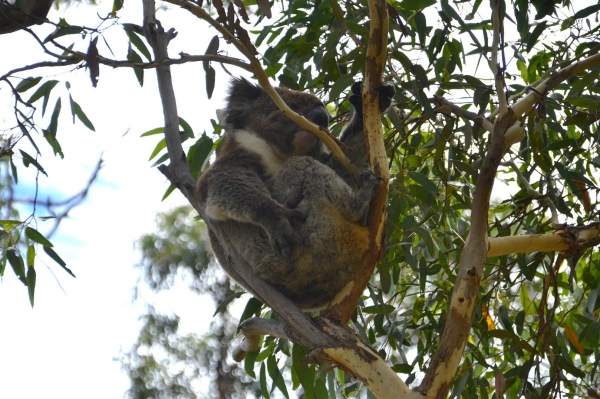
x: 64, y: 347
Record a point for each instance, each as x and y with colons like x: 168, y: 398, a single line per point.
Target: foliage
x: 537, y: 332
x: 164, y: 363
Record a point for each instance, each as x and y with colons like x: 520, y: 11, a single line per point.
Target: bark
x: 568, y: 240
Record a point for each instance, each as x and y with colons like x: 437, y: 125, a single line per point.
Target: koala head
x: 250, y: 108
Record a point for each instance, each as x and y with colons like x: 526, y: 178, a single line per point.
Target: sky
x: 65, y: 346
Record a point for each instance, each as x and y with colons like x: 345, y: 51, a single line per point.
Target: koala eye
x: 318, y: 115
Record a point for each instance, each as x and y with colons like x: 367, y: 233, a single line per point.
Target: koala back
x: 332, y: 240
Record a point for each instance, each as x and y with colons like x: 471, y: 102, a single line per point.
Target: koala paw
x: 282, y: 235
x: 386, y: 95
x: 368, y: 180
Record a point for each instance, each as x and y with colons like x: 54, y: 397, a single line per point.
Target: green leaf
x: 157, y: 130
x: 135, y: 57
x: 357, y: 28
x: 223, y: 305
x: 583, y: 102
x: 36, y: 236
x: 31, y: 283
x: 161, y: 145
x: 249, y: 362
x: 535, y: 35
x: 198, y: 153
x: 186, y: 127
x: 76, y: 110
x: 320, y: 389
x: 30, y: 255
x: 16, y: 262
x: 423, y: 181
x: 57, y: 259
x: 27, y: 84
x: 378, y: 309
x: 63, y: 29
x: 403, y: 368
x: 426, y: 237
x: 44, y: 90
x: 168, y: 192
x: 28, y: 159
x: 416, y: 4
x: 341, y: 84
x: 263, y: 382
x: 10, y: 223
x: 587, y: 11
x: 117, y: 5
x: 136, y: 40
x: 252, y: 308
x: 13, y: 170
x: 277, y: 377
x: 50, y: 133
x: 163, y: 158
x: 210, y: 81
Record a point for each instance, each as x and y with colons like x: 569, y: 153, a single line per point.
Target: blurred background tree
x: 164, y: 363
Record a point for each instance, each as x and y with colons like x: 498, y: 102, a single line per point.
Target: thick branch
x: 445, y: 362
x: 364, y: 362
x: 343, y: 305
x: 569, y: 239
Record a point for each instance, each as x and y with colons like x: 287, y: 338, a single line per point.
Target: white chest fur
x: 271, y: 159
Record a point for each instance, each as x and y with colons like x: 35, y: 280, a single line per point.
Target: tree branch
x: 569, y: 240
x: 497, y: 71
x: 444, y: 105
x: 534, y: 193
x: 344, y: 303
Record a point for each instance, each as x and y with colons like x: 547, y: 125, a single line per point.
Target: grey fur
x: 311, y: 261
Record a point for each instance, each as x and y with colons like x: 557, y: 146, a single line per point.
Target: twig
x: 534, y: 193
x: 498, y: 72
x: 441, y: 102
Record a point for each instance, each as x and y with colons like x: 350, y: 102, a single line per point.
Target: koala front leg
x: 240, y: 195
x: 353, y: 134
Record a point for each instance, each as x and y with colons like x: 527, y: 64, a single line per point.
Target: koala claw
x: 283, y: 238
x: 368, y: 180
x: 386, y: 94
x: 296, y: 216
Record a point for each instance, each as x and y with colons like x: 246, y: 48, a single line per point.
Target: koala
x: 286, y: 205
x: 259, y: 139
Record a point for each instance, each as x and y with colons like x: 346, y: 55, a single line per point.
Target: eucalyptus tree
x: 464, y: 289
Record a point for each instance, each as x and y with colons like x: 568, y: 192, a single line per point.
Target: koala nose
x: 319, y: 116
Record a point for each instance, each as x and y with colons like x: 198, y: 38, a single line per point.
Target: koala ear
x: 241, y: 99
x: 222, y: 116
